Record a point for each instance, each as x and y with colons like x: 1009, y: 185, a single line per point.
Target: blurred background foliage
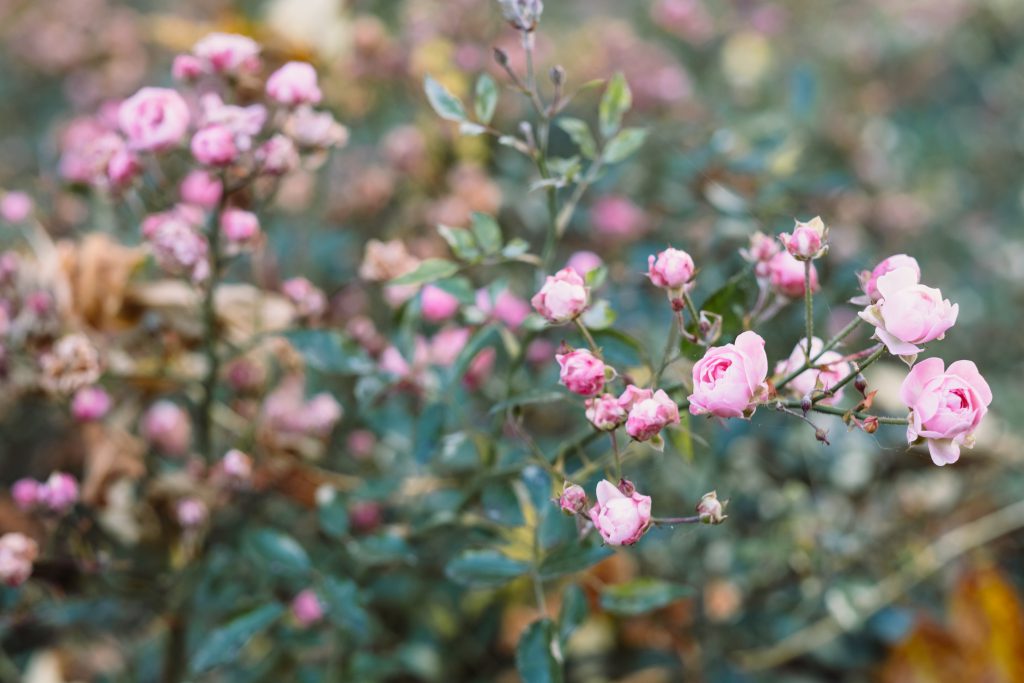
x: 897, y: 120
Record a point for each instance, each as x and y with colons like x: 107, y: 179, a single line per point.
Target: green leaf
x: 486, y: 99
x: 599, y: 316
x: 329, y: 352
x: 461, y: 242
x: 344, y: 608
x: 535, y: 654
x: 333, y: 516
x: 487, y: 233
x: 596, y: 277
x: 515, y: 248
x: 429, y: 270
x: 485, y: 568
x: 515, y: 143
x: 224, y: 644
x: 571, y: 558
x: 278, y: 552
x: 447, y: 105
x: 574, y: 611
x: 641, y: 595
x: 623, y: 145
x: 528, y: 399
x: 732, y: 301
x: 580, y: 134
x: 615, y: 102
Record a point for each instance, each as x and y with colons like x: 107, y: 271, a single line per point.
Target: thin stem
x: 875, y: 355
x: 694, y: 519
x: 615, y: 452
x: 831, y: 344
x: 670, y: 345
x: 692, y: 309
x: 209, y: 317
x: 831, y: 410
x: 808, y: 308
x: 586, y: 335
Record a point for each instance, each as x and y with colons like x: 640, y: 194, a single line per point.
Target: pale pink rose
x: 584, y: 261
x: 617, y: 216
x: 186, y: 68
x: 240, y: 228
x: 946, y: 406
x: 122, y: 168
x: 505, y: 307
x: 237, y: 465
x: 277, y: 156
x: 90, y: 404
x: 671, y: 269
x: 620, y: 519
x: 59, y: 492
x: 309, y: 300
x: 787, y: 275
x: 228, y: 53
x: 729, y: 380
x: 869, y: 278
x: 167, y: 427
x: 294, y: 84
x: 307, y: 608
x: 15, y: 207
x: 908, y: 314
x: 202, y: 189
x: 437, y: 305
x: 25, y: 493
x: 582, y: 372
x: 760, y: 252
x: 648, y: 417
x: 479, y: 369
x: 178, y: 247
x: 604, y: 412
x: 633, y: 395
x: 830, y: 369
x: 244, y: 123
x: 286, y: 410
x: 190, y: 513
x: 807, y: 240
x: 447, y: 344
x: 153, y: 119
x: 17, y: 554
x: 563, y: 297
x: 573, y: 499
x: 315, y: 129
x: 214, y: 146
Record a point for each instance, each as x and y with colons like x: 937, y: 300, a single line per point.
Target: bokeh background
x: 899, y: 121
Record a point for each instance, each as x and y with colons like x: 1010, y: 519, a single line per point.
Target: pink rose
x: 239, y: 227
x: 787, y: 275
x: 177, y: 246
x: 236, y: 465
x: 617, y: 216
x: 620, y: 519
x: 505, y: 307
x: 17, y: 554
x: 245, y: 123
x: 277, y: 156
x: 946, y: 406
x: 309, y: 300
x: 573, y: 499
x: 202, y: 189
x: 186, y: 68
x: 633, y: 395
x: 908, y: 314
x: 90, y: 404
x: 869, y: 278
x: 59, y: 493
x: 122, y: 168
x: 25, y: 493
x: 830, y: 369
x: 191, y: 513
x: 228, y: 53
x: 563, y: 297
x: 437, y: 305
x: 584, y: 261
x: 807, y: 241
x: 306, y: 608
x: 214, y: 146
x: 167, y: 427
x: 153, y: 119
x: 671, y: 269
x: 15, y: 207
x: 294, y: 84
x: 582, y: 372
x: 605, y: 413
x: 729, y: 380
x: 760, y: 252
x: 479, y: 369
x: 315, y: 129
x: 649, y: 416
x: 447, y: 344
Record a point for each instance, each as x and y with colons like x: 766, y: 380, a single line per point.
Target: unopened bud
x: 822, y: 436
x: 573, y: 499
x: 806, y: 404
x: 501, y: 57
x: 677, y: 303
x: 710, y: 509
x: 627, y: 487
x: 870, y: 425
x: 860, y: 383
x: 557, y: 75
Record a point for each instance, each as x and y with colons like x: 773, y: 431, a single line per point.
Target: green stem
x: 808, y: 308
x: 670, y: 344
x: 830, y: 410
x: 832, y: 343
x: 834, y: 389
x: 693, y: 519
x: 586, y: 335
x: 204, y: 421
x: 616, y: 454
x: 692, y: 310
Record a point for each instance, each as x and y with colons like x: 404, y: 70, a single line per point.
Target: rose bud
x: 563, y: 297
x: 236, y: 465
x: 200, y: 188
x: 582, y: 372
x: 167, y: 427
x: 294, y: 84
x: 153, y: 119
x: 240, y: 228
x: 710, y: 509
x: 649, y: 416
x: 228, y: 53
x: 584, y: 261
x: 214, y: 146
x: 15, y: 207
x: 25, y: 493
x: 573, y: 499
x: 190, y: 513
x: 807, y: 241
x: 946, y: 406
x: 605, y: 413
x: 761, y: 251
x: 17, y: 554
x: 671, y: 270
x: 437, y: 305
x: 186, y: 68
x: 908, y: 314
x: 60, y: 492
x: 620, y: 519
x: 307, y: 608
x: 730, y: 380
x: 90, y: 404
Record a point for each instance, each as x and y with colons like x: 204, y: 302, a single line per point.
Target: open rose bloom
x: 730, y: 380
x: 620, y: 519
x: 946, y: 406
x: 869, y: 278
x: 582, y: 372
x: 908, y: 314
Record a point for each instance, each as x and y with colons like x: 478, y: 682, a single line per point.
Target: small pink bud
x: 168, y: 428
x: 237, y: 465
x: 365, y: 516
x: 605, y: 412
x: 361, y: 443
x: 573, y: 499
x: 191, y: 513
x: 584, y: 261
x: 563, y: 297
x: 18, y: 552
x: 201, y: 188
x: 214, y: 146
x: 710, y: 509
x: 60, y: 492
x: 807, y: 240
x: 15, y: 207
x: 672, y: 269
x: 437, y: 305
x: 241, y: 228
x: 582, y: 372
x: 90, y: 404
x: 186, y: 68
x: 293, y: 84
x: 25, y: 493
x: 621, y: 518
x: 307, y: 608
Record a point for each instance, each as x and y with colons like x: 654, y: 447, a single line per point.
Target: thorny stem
x: 831, y: 410
x: 858, y: 368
